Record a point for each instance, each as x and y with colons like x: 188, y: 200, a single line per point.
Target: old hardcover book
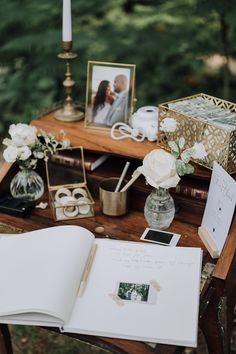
x: 193, y: 188
x: 62, y: 276
x: 92, y: 160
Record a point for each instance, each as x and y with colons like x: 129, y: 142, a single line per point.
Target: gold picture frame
x: 109, y: 94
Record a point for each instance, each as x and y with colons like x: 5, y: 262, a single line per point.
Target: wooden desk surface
x: 131, y: 226
x: 100, y: 140
x: 128, y: 227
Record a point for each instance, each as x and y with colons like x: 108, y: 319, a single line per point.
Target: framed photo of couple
x: 109, y: 94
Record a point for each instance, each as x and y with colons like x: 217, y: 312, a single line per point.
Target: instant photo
x: 137, y: 292
x: 160, y: 237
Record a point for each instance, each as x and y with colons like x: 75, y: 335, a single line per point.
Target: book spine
x: 70, y: 161
x: 190, y: 192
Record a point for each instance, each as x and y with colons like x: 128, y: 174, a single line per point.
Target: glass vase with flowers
x: 163, y: 170
x: 25, y: 147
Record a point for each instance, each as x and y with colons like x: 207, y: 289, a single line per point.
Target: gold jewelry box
x: 69, y: 197
x: 206, y: 119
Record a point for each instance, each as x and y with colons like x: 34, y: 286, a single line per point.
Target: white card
x: 160, y: 237
x: 220, y: 205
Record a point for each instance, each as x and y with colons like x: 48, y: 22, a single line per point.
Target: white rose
x: 168, y: 125
x: 199, y: 151
x: 159, y: 169
x: 23, y: 134
x: 10, y: 153
x: 24, y: 153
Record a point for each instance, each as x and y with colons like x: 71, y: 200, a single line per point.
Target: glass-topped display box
x: 69, y: 196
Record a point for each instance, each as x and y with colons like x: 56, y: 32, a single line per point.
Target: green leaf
x: 189, y: 168
x: 180, y: 167
x: 175, y: 154
x: 174, y: 147
x: 186, y: 155
x: 181, y: 142
x: 183, y: 168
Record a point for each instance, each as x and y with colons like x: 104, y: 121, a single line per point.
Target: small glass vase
x: 27, y: 184
x: 159, y: 209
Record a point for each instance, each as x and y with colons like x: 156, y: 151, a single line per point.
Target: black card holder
x: 16, y: 206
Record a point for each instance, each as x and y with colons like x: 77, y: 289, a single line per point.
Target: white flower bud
x: 10, y: 153
x: 7, y: 142
x: 24, y: 153
x: 168, y: 125
x: 199, y: 151
x: 38, y: 154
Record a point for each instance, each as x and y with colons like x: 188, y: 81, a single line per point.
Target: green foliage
x: 167, y: 40
x: 183, y: 168
x: 174, y: 147
x: 35, y: 340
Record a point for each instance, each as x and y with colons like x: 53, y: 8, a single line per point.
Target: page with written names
x: 141, y: 292
x: 40, y: 273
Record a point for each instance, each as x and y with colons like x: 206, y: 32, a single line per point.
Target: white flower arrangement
x: 163, y: 169
x: 26, y: 146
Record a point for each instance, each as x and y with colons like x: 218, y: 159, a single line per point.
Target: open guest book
x: 62, y: 276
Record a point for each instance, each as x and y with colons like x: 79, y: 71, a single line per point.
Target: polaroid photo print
x: 142, y: 293
x: 160, y: 237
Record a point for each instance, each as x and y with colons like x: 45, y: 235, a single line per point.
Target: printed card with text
x: 220, y: 206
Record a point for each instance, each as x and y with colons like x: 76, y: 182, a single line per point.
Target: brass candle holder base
x: 69, y: 112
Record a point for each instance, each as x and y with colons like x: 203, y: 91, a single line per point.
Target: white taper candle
x: 66, y: 21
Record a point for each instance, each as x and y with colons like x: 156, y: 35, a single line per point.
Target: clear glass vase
x: 27, y: 184
x: 159, y: 209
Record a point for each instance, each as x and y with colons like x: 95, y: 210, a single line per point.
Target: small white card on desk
x: 219, y: 209
x: 160, y: 237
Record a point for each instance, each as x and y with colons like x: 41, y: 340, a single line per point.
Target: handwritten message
x: 142, y: 259
x: 220, y: 205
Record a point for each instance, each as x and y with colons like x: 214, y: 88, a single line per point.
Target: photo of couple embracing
x: 111, y: 95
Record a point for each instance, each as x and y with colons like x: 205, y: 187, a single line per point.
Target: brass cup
x: 112, y: 203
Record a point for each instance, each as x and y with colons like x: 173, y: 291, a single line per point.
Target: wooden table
x: 218, y: 294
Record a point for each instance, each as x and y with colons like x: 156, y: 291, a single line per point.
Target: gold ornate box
x: 69, y: 197
x: 206, y: 119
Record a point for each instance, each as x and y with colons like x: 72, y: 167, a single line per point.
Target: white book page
x: 40, y: 271
x: 32, y: 318
x: 168, y: 314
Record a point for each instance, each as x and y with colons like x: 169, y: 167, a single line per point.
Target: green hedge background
x: 180, y: 47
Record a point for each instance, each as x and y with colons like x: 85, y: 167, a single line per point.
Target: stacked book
x: 92, y: 160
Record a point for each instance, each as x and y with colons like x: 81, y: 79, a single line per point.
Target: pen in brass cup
x: 122, y: 176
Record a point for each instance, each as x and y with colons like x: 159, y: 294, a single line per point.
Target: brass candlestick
x: 68, y: 113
